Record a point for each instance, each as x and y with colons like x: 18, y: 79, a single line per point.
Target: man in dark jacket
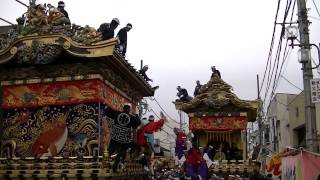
x: 107, y: 29
x: 143, y: 73
x: 183, y: 94
x: 122, y: 123
x: 122, y: 35
x: 197, y: 88
x: 215, y: 72
x: 61, y: 6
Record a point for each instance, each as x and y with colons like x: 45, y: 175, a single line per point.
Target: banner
x: 304, y: 166
x: 315, y: 90
x: 218, y: 123
x: 311, y: 166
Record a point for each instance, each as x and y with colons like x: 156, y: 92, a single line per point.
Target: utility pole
x: 310, y: 113
x: 259, y: 115
x: 180, y: 116
x: 275, y: 138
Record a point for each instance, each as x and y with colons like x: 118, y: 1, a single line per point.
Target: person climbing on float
x: 180, y: 142
x: 203, y: 168
x: 145, y: 135
x: 122, y: 124
x: 193, y: 162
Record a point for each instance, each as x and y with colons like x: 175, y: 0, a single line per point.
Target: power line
x: 271, y: 45
x: 285, y: 57
x: 273, y: 75
x: 291, y: 83
x: 150, y: 109
x: 164, y: 124
x: 287, y: 105
x: 316, y: 7
x: 276, y: 62
x: 312, y: 17
x: 285, y: 53
x: 154, y: 99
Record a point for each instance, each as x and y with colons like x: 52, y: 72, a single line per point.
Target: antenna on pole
x: 141, y: 64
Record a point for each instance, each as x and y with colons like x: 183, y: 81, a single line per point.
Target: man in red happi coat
x: 145, y: 134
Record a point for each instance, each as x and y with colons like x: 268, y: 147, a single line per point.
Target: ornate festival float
x: 218, y: 118
x: 57, y: 80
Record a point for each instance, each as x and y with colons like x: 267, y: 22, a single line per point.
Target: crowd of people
x: 194, y: 162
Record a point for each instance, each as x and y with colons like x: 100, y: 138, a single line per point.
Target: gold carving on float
x: 13, y: 50
x: 99, y: 49
x: 66, y: 45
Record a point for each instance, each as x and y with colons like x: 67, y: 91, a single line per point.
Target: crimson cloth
x: 151, y: 127
x: 194, y: 157
x: 180, y: 144
x: 181, y: 137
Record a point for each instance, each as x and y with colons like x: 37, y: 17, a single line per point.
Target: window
x: 297, y: 111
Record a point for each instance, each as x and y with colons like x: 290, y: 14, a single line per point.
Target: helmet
x: 61, y: 4
x: 116, y: 20
x: 151, y: 118
x: 129, y: 25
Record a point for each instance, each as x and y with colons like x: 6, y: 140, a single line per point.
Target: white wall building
x: 286, y: 119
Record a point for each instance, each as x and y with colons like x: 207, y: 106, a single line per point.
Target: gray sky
x: 181, y: 39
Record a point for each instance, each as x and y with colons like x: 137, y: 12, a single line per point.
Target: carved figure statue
x: 57, y: 18
x: 37, y: 15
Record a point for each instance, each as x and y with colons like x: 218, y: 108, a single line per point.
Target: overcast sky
x: 181, y: 39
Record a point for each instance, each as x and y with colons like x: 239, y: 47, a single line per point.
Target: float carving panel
x: 43, y: 49
x: 61, y: 93
x: 52, y: 131
x: 218, y: 123
x: 70, y: 70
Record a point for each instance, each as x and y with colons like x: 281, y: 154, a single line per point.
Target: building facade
x: 285, y: 122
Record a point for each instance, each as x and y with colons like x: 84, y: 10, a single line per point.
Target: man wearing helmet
x: 107, y: 29
x: 215, y: 72
x: 143, y: 73
x: 122, y: 36
x: 183, y: 94
x: 61, y: 6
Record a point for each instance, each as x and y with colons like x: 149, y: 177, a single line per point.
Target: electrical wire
x: 312, y: 17
x: 274, y: 70
x: 276, y: 63
x: 271, y: 45
x: 162, y: 130
x: 154, y: 99
x: 285, y: 55
x: 159, y: 118
x: 316, y: 7
x: 291, y: 83
x: 151, y: 109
